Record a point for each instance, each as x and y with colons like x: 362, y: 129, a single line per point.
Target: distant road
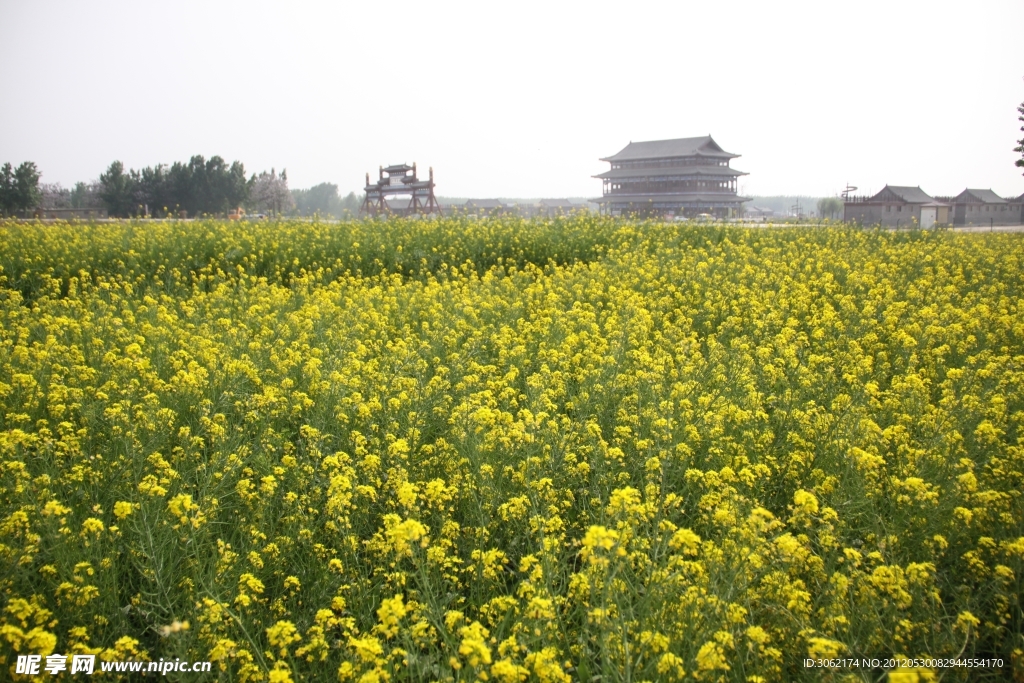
x: 972, y: 228
x: 985, y: 228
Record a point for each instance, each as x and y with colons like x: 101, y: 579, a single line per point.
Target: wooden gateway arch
x: 396, y: 182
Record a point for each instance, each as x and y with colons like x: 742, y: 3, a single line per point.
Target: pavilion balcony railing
x: 696, y: 190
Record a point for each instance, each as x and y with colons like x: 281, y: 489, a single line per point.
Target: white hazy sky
x: 519, y: 99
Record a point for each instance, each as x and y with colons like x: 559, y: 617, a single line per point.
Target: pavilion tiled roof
x: 983, y: 196
x: 484, y: 204
x: 911, y: 195
x: 665, y: 149
x: 557, y: 203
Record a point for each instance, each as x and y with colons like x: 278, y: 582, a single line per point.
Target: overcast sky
x: 520, y: 99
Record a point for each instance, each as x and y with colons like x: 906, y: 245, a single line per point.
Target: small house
x: 553, y: 207
x: 485, y: 206
x: 985, y: 207
x: 757, y: 212
x: 897, y: 206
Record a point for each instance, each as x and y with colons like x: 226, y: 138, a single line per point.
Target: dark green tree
x: 154, y: 190
x: 235, y: 188
x: 117, y: 191
x: 6, y: 190
x: 225, y: 185
x: 179, y: 187
x: 26, y: 187
x: 199, y: 196
x: 19, y: 188
x: 197, y: 187
x: 187, y: 183
x: 86, y: 196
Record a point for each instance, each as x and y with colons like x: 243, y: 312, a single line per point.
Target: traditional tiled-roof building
x: 681, y: 177
x: 555, y: 205
x: 985, y: 207
x: 485, y: 206
x: 897, y: 206
x: 758, y: 212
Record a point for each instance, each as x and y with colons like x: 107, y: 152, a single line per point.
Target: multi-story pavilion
x: 682, y: 177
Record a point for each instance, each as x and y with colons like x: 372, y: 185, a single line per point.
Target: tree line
x: 323, y: 199
x: 81, y: 196
x: 192, y: 188
x: 19, y: 188
x: 197, y: 187
x: 212, y: 187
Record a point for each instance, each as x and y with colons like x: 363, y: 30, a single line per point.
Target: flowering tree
x: 81, y: 196
x: 54, y: 196
x: 268, y: 192
x: 1020, y: 143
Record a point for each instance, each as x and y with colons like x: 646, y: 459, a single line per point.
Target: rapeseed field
x: 577, y: 449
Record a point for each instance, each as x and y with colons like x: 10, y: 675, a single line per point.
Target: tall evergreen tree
x: 19, y: 188
x: 26, y: 186
x: 117, y: 191
x: 198, y: 187
x: 86, y: 195
x: 154, y: 190
x: 235, y: 188
x: 6, y: 189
